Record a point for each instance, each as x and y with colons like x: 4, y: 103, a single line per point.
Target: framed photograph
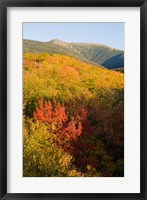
x: 73, y: 99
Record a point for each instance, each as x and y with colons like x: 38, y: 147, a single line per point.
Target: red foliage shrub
x: 54, y: 116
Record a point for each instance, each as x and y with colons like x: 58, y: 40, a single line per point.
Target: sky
x: 111, y: 34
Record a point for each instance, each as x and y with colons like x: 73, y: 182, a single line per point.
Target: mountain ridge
x: 93, y: 53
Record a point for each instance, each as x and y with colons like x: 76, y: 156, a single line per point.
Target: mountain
x: 92, y: 53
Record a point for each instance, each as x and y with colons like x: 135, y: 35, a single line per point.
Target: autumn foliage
x: 73, y: 118
x: 57, y: 121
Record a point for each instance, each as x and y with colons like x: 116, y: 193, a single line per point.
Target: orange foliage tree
x: 55, y: 117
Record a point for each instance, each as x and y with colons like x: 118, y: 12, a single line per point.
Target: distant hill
x: 92, y: 53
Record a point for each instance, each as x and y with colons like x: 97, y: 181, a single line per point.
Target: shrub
x: 41, y: 155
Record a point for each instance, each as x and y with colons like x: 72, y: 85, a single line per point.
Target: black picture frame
x: 4, y: 4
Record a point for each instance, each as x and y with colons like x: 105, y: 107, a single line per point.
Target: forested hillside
x: 73, y: 114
